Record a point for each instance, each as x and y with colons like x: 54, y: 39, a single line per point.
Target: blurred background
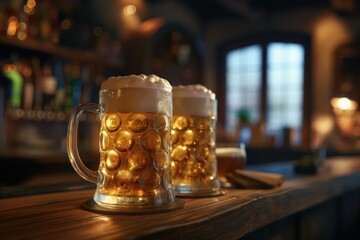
x: 286, y: 73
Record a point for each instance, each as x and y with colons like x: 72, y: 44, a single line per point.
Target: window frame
x: 263, y: 40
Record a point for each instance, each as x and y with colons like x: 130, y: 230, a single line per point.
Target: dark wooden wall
x: 338, y: 218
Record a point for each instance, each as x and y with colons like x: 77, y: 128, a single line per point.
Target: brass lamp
x: 344, y: 108
x: 343, y: 104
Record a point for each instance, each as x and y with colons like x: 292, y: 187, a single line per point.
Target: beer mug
x: 134, y: 174
x: 193, y: 158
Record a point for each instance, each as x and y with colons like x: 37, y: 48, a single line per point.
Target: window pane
x: 285, y: 67
x: 243, y: 83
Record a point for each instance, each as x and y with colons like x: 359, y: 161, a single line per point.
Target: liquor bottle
x: 29, y: 86
x: 11, y: 71
x: 68, y: 103
x: 58, y: 68
x: 48, y: 86
x: 76, y: 84
x: 35, y: 64
x: 73, y: 86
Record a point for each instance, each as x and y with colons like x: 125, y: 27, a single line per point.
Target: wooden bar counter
x: 236, y: 214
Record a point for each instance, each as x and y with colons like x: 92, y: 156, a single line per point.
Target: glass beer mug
x: 193, y: 159
x: 134, y: 173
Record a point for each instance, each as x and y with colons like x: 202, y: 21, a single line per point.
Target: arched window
x: 285, y: 88
x: 243, y: 84
x: 267, y: 82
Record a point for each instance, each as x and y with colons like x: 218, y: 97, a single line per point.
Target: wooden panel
x: 349, y: 215
x: 319, y: 222
x: 284, y: 229
x: 231, y: 216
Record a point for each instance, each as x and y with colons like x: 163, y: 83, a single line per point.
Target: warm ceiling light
x: 129, y: 10
x: 31, y: 3
x: 344, y: 103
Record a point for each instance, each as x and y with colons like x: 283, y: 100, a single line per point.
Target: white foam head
x: 137, y: 81
x: 229, y: 152
x: 193, y: 91
x: 136, y: 93
x: 194, y: 100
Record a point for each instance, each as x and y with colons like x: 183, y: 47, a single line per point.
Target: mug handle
x: 72, y: 148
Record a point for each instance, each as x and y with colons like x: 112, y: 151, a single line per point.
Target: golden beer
x: 193, y: 149
x: 134, y: 159
x: 193, y: 159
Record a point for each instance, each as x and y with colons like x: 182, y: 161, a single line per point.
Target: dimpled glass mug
x: 193, y: 159
x: 134, y: 174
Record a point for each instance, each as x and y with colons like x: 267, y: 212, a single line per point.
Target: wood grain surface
x: 231, y: 216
